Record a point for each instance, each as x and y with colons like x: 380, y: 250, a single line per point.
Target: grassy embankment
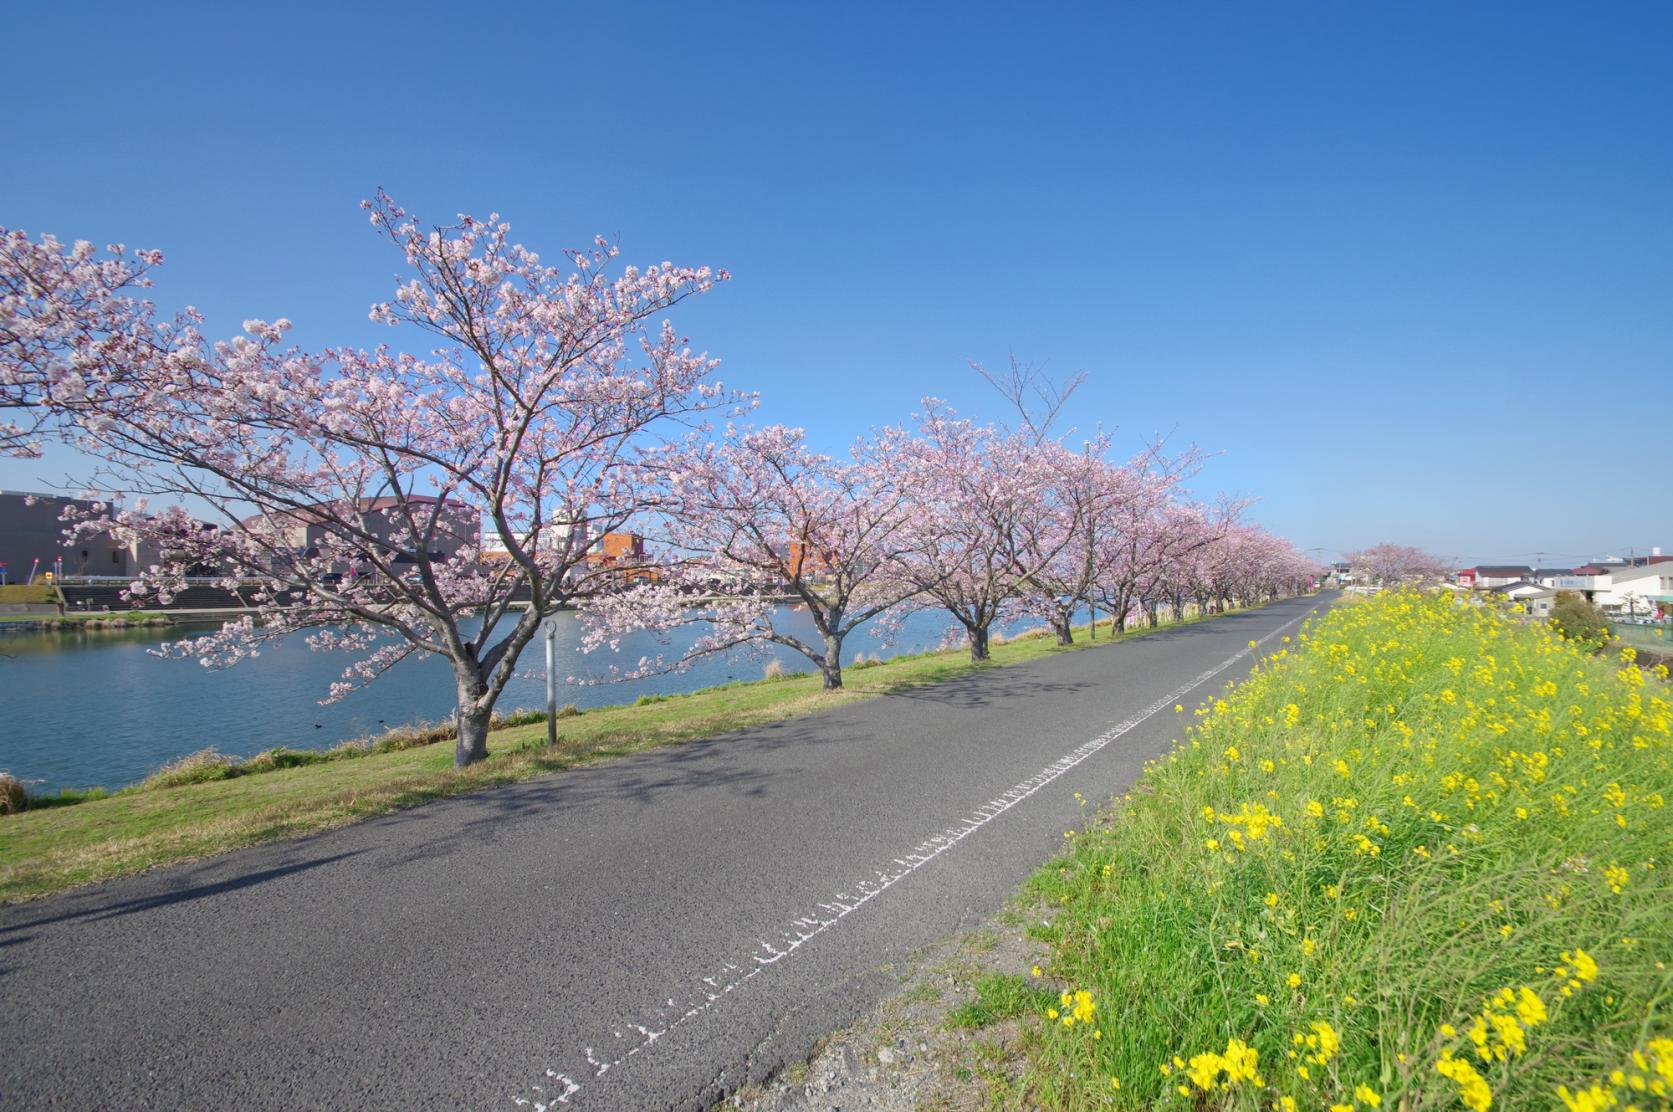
x: 210, y: 803
x: 42, y: 594
x: 1419, y: 860
x: 37, y: 594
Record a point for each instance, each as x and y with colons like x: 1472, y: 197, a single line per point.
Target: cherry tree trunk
x: 471, y: 744
x: 978, y: 643
x: 1060, y: 626
x: 831, y: 667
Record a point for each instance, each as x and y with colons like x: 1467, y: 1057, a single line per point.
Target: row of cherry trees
x: 548, y: 404
x: 981, y: 523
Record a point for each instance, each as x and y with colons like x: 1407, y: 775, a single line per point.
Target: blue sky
x: 1406, y: 268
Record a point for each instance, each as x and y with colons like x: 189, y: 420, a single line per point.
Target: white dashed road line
x: 733, y: 976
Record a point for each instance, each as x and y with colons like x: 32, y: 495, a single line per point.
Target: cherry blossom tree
x: 350, y: 489
x: 1389, y: 564
x: 976, y: 493
x: 759, y: 517
x: 71, y: 327
x: 1178, y: 532
x: 1060, y: 542
x: 1057, y: 542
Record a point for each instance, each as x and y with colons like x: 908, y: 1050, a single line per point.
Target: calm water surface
x: 96, y: 708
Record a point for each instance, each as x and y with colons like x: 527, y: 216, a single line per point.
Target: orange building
x: 807, y: 562
x: 623, y: 555
x: 621, y: 546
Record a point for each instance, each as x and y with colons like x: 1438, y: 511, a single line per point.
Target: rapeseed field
x: 1419, y: 860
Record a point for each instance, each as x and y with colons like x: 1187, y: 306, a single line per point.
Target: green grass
x: 1407, y: 835
x: 1000, y: 996
x: 209, y: 803
x: 37, y: 594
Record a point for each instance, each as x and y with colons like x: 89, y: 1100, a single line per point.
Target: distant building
x: 554, y: 539
x: 1536, y: 599
x: 32, y: 536
x: 805, y: 562
x: 299, y: 533
x: 622, y: 557
x: 1642, y: 590
x: 1487, y: 576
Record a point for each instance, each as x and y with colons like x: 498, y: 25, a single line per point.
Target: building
x: 1534, y: 597
x: 803, y: 561
x: 1487, y: 576
x: 300, y: 533
x: 554, y: 539
x: 622, y: 557
x: 32, y: 537
x: 1637, y: 590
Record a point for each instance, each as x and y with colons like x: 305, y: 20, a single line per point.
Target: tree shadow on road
x: 95, y: 908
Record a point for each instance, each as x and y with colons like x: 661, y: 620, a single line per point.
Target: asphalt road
x: 650, y: 933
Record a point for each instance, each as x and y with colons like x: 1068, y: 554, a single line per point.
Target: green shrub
x: 1578, y: 620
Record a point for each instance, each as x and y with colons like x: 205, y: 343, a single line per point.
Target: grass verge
x: 209, y: 803
x: 1417, y: 860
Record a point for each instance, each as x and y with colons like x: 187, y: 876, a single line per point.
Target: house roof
x: 1633, y: 574
x: 1502, y: 569
x: 1522, y: 587
x: 1553, y: 571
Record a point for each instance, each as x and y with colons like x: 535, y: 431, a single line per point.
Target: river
x: 97, y: 708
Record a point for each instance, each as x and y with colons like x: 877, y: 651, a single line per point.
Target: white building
x: 1535, y: 598
x: 1641, y: 590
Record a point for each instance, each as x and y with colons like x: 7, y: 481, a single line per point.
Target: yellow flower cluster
x: 1385, y: 826
x: 1473, y: 1089
x: 1648, y: 1075
x: 1208, y: 1070
x: 1078, y: 1008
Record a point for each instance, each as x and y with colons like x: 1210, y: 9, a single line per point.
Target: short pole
x: 551, y: 685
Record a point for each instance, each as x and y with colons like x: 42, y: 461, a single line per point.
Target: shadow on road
x: 100, y: 910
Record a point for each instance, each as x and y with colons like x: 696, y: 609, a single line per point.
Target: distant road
x: 649, y: 933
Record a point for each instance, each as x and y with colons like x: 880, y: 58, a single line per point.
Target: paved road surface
x: 649, y: 933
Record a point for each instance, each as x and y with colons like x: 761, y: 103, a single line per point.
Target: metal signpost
x: 551, y: 686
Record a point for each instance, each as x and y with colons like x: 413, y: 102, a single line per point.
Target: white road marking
x: 804, y: 930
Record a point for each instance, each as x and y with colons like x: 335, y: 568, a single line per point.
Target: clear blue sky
x: 1408, y: 268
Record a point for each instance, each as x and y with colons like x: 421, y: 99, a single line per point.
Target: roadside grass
x: 1000, y: 996
x: 1418, y: 860
x: 209, y: 803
